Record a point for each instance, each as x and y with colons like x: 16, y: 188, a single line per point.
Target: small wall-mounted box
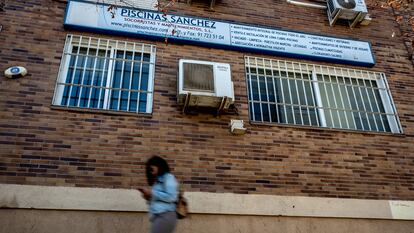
x: 237, y: 127
x: 15, y: 72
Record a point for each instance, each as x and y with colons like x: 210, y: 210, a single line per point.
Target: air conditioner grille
x: 198, y: 77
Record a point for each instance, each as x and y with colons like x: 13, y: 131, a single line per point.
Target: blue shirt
x: 164, y: 195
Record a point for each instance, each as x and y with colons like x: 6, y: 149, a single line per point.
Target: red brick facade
x: 42, y: 145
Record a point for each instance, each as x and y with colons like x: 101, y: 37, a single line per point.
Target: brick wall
x: 405, y: 17
x: 45, y: 146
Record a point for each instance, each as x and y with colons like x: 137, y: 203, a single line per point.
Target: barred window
x: 314, y: 95
x: 105, y: 74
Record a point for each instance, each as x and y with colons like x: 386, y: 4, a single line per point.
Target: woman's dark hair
x: 162, y: 168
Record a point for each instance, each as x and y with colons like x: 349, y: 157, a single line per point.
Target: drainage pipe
x: 305, y: 4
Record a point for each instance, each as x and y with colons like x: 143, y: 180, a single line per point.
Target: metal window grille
x: 296, y: 93
x: 105, y: 74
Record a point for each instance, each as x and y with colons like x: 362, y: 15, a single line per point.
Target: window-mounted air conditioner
x: 353, y: 11
x: 204, y: 84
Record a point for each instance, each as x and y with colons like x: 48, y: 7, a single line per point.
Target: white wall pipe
x: 298, y: 3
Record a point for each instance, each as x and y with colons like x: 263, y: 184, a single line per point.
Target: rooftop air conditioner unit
x: 204, y: 84
x: 354, y: 11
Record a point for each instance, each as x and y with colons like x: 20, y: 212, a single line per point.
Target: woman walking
x: 162, y: 196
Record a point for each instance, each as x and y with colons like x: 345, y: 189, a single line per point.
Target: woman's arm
x: 146, y: 193
x: 169, y: 191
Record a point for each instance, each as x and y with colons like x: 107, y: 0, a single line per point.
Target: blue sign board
x: 143, y: 23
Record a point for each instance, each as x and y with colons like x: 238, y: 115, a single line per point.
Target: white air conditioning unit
x: 204, y: 84
x: 354, y: 11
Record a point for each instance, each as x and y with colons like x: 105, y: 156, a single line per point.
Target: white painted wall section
x: 99, y: 199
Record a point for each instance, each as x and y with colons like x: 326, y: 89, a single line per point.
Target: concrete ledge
x: 70, y: 198
x: 81, y: 221
x: 98, y: 199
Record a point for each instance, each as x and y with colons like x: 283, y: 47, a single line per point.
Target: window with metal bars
x: 296, y: 93
x: 105, y: 74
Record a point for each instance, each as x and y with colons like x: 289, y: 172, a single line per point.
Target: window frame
x: 334, y: 73
x: 105, y: 91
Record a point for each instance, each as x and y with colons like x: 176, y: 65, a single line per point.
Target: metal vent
x: 198, y: 77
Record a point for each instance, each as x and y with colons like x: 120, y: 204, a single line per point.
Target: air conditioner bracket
x: 212, y: 3
x: 186, y: 102
x: 222, y: 104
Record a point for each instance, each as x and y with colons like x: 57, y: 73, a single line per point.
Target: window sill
x: 326, y: 129
x: 104, y: 112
